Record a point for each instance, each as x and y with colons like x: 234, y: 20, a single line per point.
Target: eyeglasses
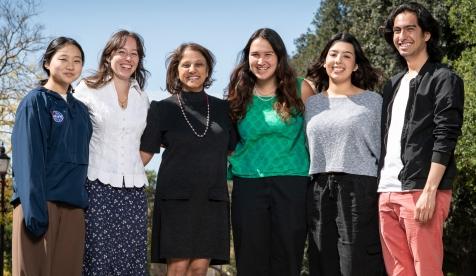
x: 124, y: 54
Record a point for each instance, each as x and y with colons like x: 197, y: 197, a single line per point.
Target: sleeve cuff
x: 36, y: 230
x: 440, y: 158
x: 149, y: 148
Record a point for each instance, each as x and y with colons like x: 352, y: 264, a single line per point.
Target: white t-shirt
x: 64, y: 96
x: 114, y: 148
x: 393, y: 163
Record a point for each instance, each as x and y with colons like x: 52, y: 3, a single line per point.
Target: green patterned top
x: 268, y: 145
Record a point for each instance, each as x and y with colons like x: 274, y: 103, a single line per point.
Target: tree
x: 364, y: 18
x: 329, y: 20
x: 20, y: 39
x: 367, y: 18
x: 460, y: 229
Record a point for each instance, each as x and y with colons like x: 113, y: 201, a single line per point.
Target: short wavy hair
x: 173, y: 83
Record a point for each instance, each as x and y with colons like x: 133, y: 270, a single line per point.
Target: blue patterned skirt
x: 116, y: 230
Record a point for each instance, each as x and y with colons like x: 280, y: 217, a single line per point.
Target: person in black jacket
x: 422, y: 116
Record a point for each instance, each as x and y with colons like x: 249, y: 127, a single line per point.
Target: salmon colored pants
x: 59, y: 252
x: 410, y: 247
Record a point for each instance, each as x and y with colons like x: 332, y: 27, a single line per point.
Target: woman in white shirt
x: 116, y: 220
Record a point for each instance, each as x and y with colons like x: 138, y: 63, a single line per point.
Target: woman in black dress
x: 191, y: 209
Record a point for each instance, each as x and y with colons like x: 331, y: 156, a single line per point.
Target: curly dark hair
x: 427, y: 23
x: 173, y: 84
x: 104, y: 74
x: 239, y: 91
x: 366, y: 77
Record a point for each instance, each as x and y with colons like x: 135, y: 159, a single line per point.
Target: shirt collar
x: 56, y: 94
x: 134, y: 84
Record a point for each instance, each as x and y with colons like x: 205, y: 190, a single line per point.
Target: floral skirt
x: 116, y: 230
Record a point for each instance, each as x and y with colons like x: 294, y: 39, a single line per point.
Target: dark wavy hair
x: 427, y: 23
x: 365, y: 77
x: 240, y: 89
x: 54, y: 46
x: 173, y: 83
x: 104, y: 74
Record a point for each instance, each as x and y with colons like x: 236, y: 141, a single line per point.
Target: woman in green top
x: 270, y: 163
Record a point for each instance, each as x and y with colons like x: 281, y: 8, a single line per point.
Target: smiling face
x: 192, y: 70
x: 408, y: 37
x: 125, y: 59
x: 263, y: 60
x: 64, y: 67
x: 340, y: 62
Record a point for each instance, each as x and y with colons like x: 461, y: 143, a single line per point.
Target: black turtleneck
x: 189, y: 161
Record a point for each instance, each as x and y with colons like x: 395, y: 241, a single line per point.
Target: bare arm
x: 425, y: 206
x: 146, y: 157
x: 306, y: 90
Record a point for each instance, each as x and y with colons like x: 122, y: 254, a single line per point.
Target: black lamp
x: 4, y: 164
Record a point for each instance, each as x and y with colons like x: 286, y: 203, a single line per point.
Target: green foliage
x: 364, y: 19
x: 461, y: 21
x: 369, y: 16
x: 7, y: 219
x: 330, y: 19
x: 460, y: 229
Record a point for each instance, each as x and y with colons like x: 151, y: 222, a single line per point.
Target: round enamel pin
x: 57, y: 116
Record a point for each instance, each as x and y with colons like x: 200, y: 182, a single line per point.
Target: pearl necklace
x: 188, y: 122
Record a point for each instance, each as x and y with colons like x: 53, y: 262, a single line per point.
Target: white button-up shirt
x: 114, y: 155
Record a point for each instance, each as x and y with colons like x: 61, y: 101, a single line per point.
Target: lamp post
x: 4, y: 163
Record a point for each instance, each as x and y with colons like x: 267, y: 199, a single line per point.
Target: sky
x: 222, y: 26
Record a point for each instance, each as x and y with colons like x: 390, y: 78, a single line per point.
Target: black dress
x: 191, y: 206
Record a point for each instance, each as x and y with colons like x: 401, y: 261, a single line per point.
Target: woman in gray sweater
x: 343, y: 132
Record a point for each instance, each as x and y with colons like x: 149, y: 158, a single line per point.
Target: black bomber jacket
x: 432, y: 124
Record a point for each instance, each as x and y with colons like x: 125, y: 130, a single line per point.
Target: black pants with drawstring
x: 344, y: 230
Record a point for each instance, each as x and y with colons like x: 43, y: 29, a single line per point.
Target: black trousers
x: 269, y: 224
x: 344, y: 230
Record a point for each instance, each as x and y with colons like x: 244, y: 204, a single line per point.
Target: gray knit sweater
x: 344, y: 133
